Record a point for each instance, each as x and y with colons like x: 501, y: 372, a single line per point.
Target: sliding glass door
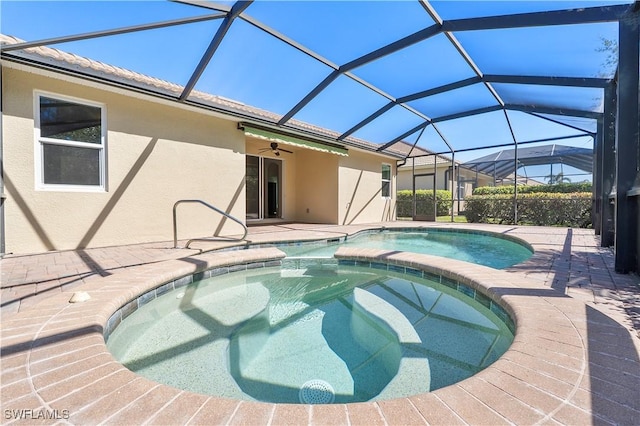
x: 263, y: 187
x: 253, y: 187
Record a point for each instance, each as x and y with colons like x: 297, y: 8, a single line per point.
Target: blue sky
x: 252, y: 67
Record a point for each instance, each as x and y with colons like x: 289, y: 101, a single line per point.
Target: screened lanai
x: 500, y: 164
x: 459, y: 78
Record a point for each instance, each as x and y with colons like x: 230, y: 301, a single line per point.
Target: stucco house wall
x: 317, y: 187
x: 159, y: 152
x: 156, y: 154
x: 405, y: 178
x: 361, y: 199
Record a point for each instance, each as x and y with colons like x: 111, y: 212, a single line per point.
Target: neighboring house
x: 419, y: 171
x: 90, y: 159
x: 426, y: 168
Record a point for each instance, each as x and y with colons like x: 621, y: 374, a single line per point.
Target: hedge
x: 564, y: 188
x: 550, y: 209
x: 424, y: 202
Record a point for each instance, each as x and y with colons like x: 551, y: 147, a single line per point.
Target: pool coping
x: 376, y: 230
x: 541, y: 378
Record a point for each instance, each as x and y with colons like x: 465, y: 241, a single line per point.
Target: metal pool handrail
x: 223, y: 213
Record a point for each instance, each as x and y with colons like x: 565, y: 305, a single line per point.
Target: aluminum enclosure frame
x: 616, y: 182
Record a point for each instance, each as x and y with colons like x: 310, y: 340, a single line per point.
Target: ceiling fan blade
x: 285, y: 150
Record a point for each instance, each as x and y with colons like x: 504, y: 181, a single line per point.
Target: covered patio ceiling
x: 447, y: 76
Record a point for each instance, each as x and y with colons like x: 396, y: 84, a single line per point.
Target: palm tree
x: 557, y: 178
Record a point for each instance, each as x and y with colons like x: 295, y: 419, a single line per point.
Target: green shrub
x: 424, y: 202
x: 564, y: 188
x: 547, y: 209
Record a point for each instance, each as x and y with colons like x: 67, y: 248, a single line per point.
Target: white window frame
x: 383, y: 180
x: 40, y: 141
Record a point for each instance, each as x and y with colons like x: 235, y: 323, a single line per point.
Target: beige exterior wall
x: 310, y: 182
x: 405, y: 177
x: 317, y: 187
x: 360, y: 180
x: 327, y: 188
x: 156, y: 155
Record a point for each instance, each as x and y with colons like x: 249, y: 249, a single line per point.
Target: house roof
x: 420, y: 156
x: 451, y: 76
x: 89, y: 67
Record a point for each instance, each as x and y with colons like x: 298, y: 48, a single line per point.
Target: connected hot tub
x: 313, y: 331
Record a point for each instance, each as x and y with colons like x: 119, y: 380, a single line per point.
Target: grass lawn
x: 456, y: 219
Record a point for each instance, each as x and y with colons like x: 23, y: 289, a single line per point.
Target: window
x: 386, y: 180
x: 462, y: 186
x: 70, y: 144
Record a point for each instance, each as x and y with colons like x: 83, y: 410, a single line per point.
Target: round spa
x: 313, y: 331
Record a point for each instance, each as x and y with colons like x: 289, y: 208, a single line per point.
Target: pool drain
x: 316, y: 392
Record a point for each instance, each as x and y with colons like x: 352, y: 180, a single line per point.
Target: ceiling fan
x: 274, y: 148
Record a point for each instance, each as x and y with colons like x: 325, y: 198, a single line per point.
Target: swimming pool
x: 314, y: 332
x: 488, y: 249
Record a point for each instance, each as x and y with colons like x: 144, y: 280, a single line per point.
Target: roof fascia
x: 98, y: 82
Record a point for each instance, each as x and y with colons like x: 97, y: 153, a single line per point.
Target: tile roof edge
x: 120, y: 73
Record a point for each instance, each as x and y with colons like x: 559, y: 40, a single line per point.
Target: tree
x: 557, y: 178
x: 611, y: 61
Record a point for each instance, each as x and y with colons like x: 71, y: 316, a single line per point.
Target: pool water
x: 482, y: 249
x: 320, y: 334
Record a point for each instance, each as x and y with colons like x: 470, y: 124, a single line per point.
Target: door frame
x: 263, y: 189
x: 430, y: 217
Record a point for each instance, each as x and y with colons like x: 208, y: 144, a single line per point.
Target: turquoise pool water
x: 482, y: 249
x: 322, y: 333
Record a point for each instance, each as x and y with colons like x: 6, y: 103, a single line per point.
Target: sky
x: 257, y: 69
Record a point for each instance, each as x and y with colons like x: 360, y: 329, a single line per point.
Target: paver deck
x: 575, y: 358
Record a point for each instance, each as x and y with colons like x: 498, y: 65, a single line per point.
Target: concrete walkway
x: 576, y: 358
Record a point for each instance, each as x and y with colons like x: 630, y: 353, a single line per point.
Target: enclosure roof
x: 501, y: 163
x: 420, y: 156
x: 443, y: 75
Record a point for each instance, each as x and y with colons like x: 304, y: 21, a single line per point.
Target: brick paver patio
x: 575, y: 358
